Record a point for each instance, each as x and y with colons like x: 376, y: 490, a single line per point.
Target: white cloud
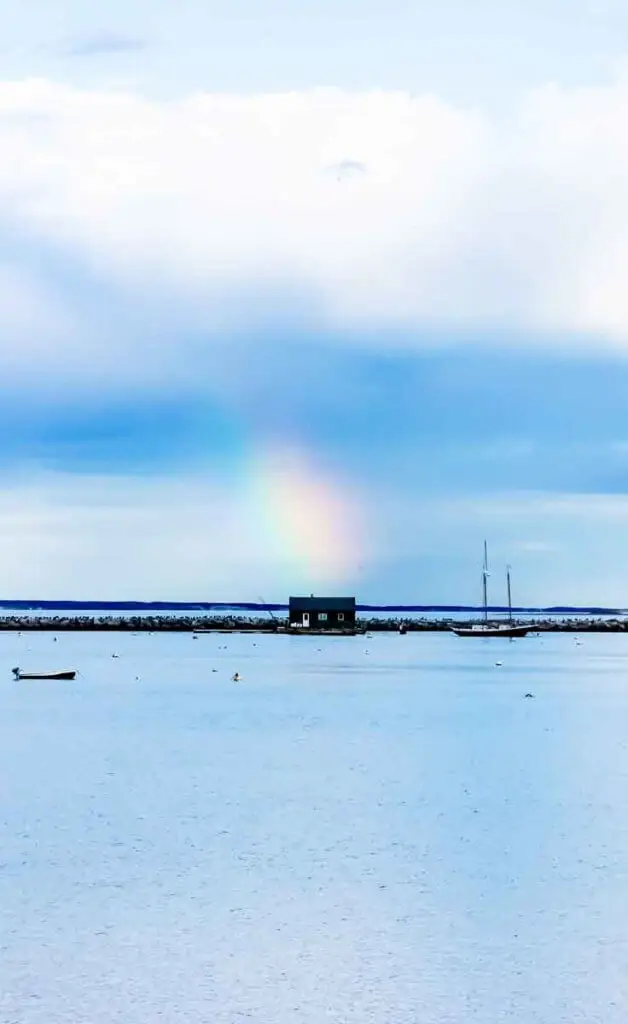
x: 191, y: 212
x: 196, y: 536
x: 563, y: 548
x: 30, y: 310
x: 115, y: 538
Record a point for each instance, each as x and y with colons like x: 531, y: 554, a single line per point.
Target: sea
x: 390, y: 829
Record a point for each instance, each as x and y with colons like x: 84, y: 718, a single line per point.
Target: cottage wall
x: 322, y: 613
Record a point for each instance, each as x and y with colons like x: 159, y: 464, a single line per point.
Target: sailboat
x: 508, y: 629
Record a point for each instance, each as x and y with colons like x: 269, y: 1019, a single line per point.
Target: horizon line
x: 34, y: 604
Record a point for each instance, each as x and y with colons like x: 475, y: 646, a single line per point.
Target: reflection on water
x: 360, y: 830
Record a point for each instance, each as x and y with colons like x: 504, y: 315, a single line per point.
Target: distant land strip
x: 252, y: 606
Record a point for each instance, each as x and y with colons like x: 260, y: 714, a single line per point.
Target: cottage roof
x: 322, y: 604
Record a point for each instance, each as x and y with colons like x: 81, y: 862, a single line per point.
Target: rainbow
x: 311, y: 523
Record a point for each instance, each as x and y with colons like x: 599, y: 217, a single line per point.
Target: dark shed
x: 322, y: 612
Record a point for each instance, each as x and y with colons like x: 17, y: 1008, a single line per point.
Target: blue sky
x: 459, y: 50
x: 316, y: 302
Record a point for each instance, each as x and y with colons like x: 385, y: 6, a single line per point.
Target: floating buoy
x: 498, y: 664
x: 236, y: 677
x: 528, y: 695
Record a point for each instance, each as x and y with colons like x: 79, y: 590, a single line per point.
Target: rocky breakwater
x: 575, y: 624
x: 582, y: 624
x: 236, y: 624
x: 137, y: 624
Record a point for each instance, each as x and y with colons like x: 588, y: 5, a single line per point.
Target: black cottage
x: 322, y: 612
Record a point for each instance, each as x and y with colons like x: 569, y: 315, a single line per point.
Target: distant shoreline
x: 221, y: 607
x: 234, y: 624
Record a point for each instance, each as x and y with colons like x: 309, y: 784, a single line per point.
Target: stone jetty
x: 236, y: 624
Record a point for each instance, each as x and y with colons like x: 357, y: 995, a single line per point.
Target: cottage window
x: 341, y: 616
x: 322, y: 616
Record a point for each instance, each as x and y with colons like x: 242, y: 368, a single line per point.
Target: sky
x: 314, y: 302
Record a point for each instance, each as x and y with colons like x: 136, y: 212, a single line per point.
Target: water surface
x: 361, y: 830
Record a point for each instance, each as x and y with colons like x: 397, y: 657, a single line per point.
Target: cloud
x: 144, y: 236
x: 431, y: 546
x: 201, y: 252
x: 60, y: 529
x: 345, y: 170
x: 103, y: 43
x: 195, y: 536
x: 208, y: 532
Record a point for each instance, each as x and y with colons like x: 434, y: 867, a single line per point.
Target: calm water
x: 362, y: 830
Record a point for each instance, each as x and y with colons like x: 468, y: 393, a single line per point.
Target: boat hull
x: 490, y: 631
x: 45, y: 675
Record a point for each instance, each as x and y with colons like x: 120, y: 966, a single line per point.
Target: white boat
x: 486, y: 628
x: 18, y: 674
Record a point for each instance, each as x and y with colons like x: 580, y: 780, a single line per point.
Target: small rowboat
x: 18, y: 674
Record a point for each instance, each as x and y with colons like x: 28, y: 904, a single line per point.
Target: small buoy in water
x: 528, y: 695
x: 498, y: 664
x: 236, y: 677
x: 114, y: 655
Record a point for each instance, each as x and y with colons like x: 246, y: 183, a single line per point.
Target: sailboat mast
x: 509, y: 594
x: 484, y: 579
